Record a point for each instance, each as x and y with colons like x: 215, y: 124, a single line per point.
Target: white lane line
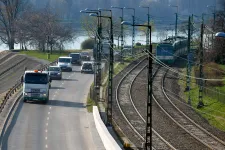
x: 46, y: 146
x: 46, y: 138
x: 47, y: 118
x: 46, y: 124
x: 46, y: 131
x: 48, y: 113
x: 50, y: 107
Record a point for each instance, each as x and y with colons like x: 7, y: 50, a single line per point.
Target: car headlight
x: 44, y: 94
x: 59, y: 73
x: 25, y: 94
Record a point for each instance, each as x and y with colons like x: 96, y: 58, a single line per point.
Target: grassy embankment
x: 118, y: 67
x: 43, y: 55
x: 213, y: 96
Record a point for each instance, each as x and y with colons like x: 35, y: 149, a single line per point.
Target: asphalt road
x: 61, y: 124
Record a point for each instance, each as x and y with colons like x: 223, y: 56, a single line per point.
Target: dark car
x: 55, y: 72
x: 87, y: 67
x: 76, y: 58
x: 85, y: 56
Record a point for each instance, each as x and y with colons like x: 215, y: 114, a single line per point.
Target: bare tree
x: 9, y: 12
x: 43, y: 29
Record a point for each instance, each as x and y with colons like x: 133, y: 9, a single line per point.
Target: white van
x: 65, y: 63
x: 36, y: 86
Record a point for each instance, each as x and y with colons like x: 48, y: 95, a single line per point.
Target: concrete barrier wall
x: 107, y: 139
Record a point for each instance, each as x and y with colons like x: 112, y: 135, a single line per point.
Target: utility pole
x: 147, y: 35
x: 148, y: 140
x: 122, y: 44
x: 214, y: 22
x: 201, y: 74
x: 133, y: 37
x: 110, y: 81
x: 133, y: 34
x: 176, y: 25
x: 188, y: 79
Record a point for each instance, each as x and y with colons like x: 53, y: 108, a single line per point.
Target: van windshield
x: 36, y: 78
x: 66, y: 60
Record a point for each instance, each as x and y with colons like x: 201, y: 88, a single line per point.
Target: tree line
x: 21, y: 23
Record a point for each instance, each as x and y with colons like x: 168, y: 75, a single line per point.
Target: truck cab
x: 36, y: 86
x: 65, y: 63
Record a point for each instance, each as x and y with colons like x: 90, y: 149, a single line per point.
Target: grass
x: 90, y: 102
x: 43, y: 55
x: 119, y: 68
x: 214, y: 109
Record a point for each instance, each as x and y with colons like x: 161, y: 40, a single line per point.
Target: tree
x: 88, y: 44
x: 9, y: 12
x: 43, y: 29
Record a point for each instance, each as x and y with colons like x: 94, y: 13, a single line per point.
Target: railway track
x: 133, y: 118
x: 11, y: 63
x: 5, y: 56
x: 183, y: 121
x: 9, y: 76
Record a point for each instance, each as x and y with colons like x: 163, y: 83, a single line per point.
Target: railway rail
x: 183, y: 121
x: 134, y: 121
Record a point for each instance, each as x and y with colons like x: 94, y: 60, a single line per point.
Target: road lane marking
x: 46, y: 124
x: 46, y: 138
x: 46, y: 146
x: 48, y: 112
x: 50, y: 107
x: 47, y: 118
x: 46, y: 131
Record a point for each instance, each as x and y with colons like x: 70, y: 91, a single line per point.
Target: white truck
x: 36, y: 86
x: 65, y: 63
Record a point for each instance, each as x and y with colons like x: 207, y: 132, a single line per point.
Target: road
x: 61, y: 124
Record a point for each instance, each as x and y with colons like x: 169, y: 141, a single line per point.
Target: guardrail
x: 17, y: 86
x: 107, y: 139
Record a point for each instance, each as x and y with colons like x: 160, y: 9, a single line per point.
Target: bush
x: 212, y: 71
x: 88, y: 44
x: 138, y: 44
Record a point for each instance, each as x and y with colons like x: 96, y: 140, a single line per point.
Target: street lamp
x: 97, y: 54
x: 220, y: 34
x: 110, y: 81
x: 148, y: 138
x: 133, y: 35
x: 99, y: 49
x: 122, y: 43
x: 109, y: 10
x: 148, y: 24
x: 176, y: 19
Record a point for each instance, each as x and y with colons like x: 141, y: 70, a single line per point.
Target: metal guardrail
x: 17, y: 86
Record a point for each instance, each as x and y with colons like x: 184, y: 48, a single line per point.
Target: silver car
x: 55, y: 72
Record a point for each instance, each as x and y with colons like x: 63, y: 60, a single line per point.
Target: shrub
x: 212, y: 71
x: 138, y: 44
x: 88, y: 44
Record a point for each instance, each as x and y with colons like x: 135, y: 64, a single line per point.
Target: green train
x: 171, y: 48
